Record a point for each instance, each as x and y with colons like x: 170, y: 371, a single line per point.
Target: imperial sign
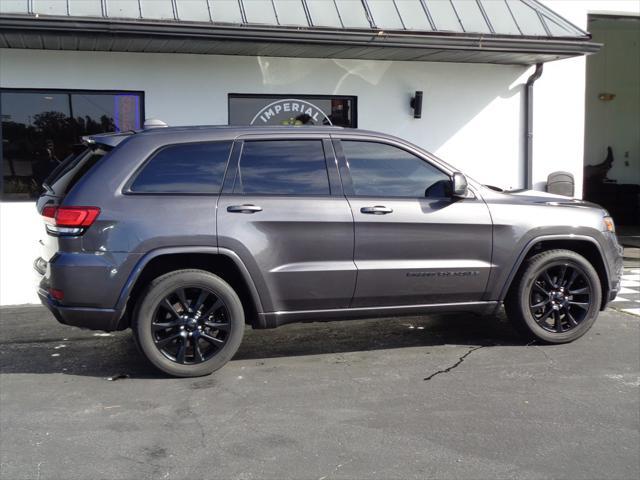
x: 291, y: 111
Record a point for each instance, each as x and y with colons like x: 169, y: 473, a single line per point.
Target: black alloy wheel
x: 555, y: 297
x: 560, y: 298
x: 190, y: 325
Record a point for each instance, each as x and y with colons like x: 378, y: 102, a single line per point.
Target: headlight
x: 608, y: 225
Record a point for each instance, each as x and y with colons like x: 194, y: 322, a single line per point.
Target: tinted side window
x: 382, y: 170
x: 185, y: 168
x: 282, y: 167
x: 68, y: 173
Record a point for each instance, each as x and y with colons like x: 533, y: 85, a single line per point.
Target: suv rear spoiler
x: 111, y: 140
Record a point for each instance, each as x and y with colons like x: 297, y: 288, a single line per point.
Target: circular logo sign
x: 290, y: 111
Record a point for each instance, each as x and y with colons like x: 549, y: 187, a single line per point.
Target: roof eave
x: 369, y: 44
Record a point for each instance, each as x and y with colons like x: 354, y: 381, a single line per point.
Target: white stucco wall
x: 20, y: 230
x: 471, y: 113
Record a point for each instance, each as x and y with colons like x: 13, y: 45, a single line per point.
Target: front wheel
x: 556, y: 297
x: 189, y: 323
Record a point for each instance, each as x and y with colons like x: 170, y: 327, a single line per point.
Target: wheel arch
x: 219, y: 261
x: 586, y: 246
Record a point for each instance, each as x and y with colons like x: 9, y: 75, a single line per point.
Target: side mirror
x: 459, y: 185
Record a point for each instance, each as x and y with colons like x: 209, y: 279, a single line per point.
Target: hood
x: 538, y: 198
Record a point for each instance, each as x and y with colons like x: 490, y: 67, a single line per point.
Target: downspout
x: 528, y: 127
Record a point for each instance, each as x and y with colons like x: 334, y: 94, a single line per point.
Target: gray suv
x: 186, y: 234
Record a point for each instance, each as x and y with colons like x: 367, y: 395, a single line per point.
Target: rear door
x: 282, y: 210
x: 414, y: 243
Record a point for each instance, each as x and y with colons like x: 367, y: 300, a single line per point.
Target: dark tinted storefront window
x: 282, y: 167
x: 189, y: 168
x: 247, y: 109
x: 41, y: 128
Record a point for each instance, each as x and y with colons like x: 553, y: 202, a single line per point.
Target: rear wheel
x: 556, y: 298
x: 189, y: 323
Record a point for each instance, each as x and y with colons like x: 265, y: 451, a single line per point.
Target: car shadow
x: 378, y: 334
x: 113, y: 356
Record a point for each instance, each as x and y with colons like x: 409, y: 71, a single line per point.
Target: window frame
x: 345, y: 172
x: 330, y: 158
x: 301, y: 96
x: 58, y: 91
x: 126, y: 190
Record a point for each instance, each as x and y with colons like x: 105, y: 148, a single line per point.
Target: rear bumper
x: 105, y: 319
x: 91, y: 282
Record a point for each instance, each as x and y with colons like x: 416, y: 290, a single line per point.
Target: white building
x: 71, y: 67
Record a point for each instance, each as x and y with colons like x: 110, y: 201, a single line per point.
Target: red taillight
x: 56, y: 294
x: 76, y: 216
x: 70, y: 217
x: 49, y: 212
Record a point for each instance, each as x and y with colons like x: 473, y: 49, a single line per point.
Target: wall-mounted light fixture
x: 416, y: 104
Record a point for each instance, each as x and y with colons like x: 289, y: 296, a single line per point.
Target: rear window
x: 72, y: 169
x: 192, y: 168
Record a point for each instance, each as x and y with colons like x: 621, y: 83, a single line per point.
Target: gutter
x: 528, y: 126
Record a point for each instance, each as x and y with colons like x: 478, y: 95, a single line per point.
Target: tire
x: 188, y: 323
x: 568, y: 310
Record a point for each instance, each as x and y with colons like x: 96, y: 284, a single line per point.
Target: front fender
x: 508, y: 265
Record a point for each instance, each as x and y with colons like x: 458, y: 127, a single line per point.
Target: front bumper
x: 614, y: 255
x: 105, y: 319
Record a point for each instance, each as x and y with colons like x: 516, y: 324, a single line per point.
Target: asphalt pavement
x: 442, y: 396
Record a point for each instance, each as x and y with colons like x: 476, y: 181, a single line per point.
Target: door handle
x: 377, y: 210
x: 244, y: 209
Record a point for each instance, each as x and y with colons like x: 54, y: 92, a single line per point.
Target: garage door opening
x: 612, y: 121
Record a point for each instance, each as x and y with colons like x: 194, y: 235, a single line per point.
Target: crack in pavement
x: 335, y: 470
x: 460, y: 360
x: 551, y: 364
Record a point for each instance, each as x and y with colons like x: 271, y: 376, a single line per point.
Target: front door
x: 289, y: 224
x: 414, y: 243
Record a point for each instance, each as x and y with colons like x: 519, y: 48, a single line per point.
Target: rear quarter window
x: 64, y: 178
x: 194, y: 168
